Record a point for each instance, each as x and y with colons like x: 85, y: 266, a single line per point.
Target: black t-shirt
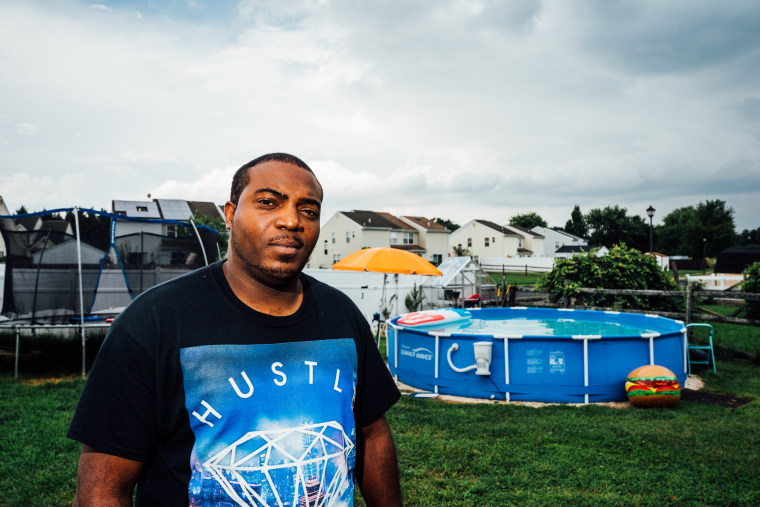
x: 226, y: 404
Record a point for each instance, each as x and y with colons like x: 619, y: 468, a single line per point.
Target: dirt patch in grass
x: 48, y: 380
x: 691, y: 392
x: 724, y: 400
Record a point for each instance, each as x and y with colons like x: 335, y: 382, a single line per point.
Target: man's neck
x: 279, y: 301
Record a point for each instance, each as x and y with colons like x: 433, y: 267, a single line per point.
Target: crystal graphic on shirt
x: 303, y: 466
x: 273, y: 423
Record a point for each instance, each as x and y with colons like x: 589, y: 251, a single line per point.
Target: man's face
x: 275, y: 224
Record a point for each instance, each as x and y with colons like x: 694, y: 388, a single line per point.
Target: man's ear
x: 229, y: 213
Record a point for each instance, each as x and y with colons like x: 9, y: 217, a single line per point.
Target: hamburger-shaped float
x: 652, y: 386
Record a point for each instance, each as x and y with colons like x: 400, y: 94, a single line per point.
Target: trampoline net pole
x: 81, y: 290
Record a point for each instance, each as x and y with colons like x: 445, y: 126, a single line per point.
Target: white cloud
x: 477, y: 109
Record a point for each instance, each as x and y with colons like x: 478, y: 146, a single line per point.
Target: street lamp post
x: 704, y: 255
x: 650, y: 214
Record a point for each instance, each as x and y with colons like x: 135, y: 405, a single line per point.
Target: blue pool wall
x: 560, y: 369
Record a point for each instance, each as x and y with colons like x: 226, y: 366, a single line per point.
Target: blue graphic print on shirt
x: 273, y: 423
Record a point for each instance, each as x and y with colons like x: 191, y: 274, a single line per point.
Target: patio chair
x: 708, y: 349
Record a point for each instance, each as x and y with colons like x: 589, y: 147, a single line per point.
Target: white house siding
x: 499, y: 244
x: 377, y: 237
x: 553, y: 240
x: 332, y: 244
x: 436, y: 243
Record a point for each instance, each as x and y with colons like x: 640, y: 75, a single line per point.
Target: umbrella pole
x: 382, y: 297
x: 396, y: 277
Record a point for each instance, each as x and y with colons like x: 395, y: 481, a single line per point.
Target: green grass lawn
x: 469, y: 454
x: 517, y: 278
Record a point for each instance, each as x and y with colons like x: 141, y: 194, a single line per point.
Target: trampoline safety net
x: 121, y: 257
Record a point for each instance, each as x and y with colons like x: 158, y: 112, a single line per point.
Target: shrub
x: 621, y: 268
x: 752, y: 285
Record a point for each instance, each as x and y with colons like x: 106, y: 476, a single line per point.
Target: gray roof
x: 426, y: 223
x: 174, y: 209
x: 526, y: 231
x: 136, y: 209
x: 376, y: 220
x: 497, y: 227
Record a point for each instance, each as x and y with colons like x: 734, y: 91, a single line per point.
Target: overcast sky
x: 457, y: 109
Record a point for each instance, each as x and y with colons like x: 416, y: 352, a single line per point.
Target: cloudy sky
x: 460, y: 109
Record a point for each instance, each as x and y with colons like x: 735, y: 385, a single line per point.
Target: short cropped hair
x: 242, y: 176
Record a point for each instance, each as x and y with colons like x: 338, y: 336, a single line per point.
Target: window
x: 333, y: 238
x: 469, y: 242
x: 348, y: 236
x: 325, y: 247
x: 177, y: 257
x: 437, y: 259
x: 488, y: 242
x: 171, y: 230
x: 336, y: 258
x: 519, y: 243
x: 143, y: 209
x: 408, y: 238
x: 394, y: 238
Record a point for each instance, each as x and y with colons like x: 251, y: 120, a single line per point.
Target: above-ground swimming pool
x: 532, y: 354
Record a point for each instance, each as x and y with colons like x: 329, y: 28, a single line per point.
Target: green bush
x: 621, y: 268
x: 752, y: 285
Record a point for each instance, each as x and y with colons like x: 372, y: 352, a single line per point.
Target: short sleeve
x: 116, y: 413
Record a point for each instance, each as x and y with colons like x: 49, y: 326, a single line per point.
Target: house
x: 349, y: 231
x: 736, y: 259
x: 555, y: 238
x: 433, y: 237
x: 145, y: 242
x: 6, y: 224
x: 569, y: 251
x: 532, y: 242
x: 662, y: 260
x: 486, y: 239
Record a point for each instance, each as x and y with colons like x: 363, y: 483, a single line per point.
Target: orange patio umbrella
x: 387, y: 260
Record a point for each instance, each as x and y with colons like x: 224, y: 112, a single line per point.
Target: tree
x: 51, y: 216
x: 577, y: 223
x: 528, y: 220
x: 612, y: 225
x: 446, y: 223
x: 21, y: 210
x: 413, y: 299
x: 218, y: 224
x: 95, y: 228
x: 707, y: 229
x: 460, y: 251
x: 670, y: 235
x: 714, y: 226
x: 750, y: 237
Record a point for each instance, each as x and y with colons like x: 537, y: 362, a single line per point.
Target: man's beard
x: 280, y: 272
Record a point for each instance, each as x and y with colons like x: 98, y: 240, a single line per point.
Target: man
x: 245, y: 382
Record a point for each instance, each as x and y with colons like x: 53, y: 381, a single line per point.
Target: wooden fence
x: 691, y: 294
